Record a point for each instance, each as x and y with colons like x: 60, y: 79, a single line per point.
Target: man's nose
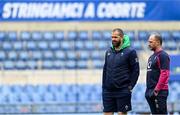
x: 113, y: 39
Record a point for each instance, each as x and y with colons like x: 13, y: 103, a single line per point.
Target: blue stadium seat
x: 6, y: 89
x: 64, y: 88
x: 170, y: 45
x: 72, y: 35
x: 176, y: 35
x: 41, y: 89
x: 60, y: 96
x: 71, y: 55
x: 32, y: 64
x: 16, y: 88
x: 17, y: 45
x: 31, y: 45
x: 52, y: 88
x: 24, y: 55
x: 59, y: 35
x: 29, y: 89
x: 96, y: 35
x: 166, y: 35
x: 48, y: 97
x: 138, y: 93
x: 3, y: 99
x: 95, y: 97
x: 67, y: 45
x: 97, y: 88
x: 12, y: 55
x: 24, y: 98
x: 42, y: 45
x: 83, y: 88
x: 83, y: 35
x: 79, y: 45
x: 58, y: 64
x: 98, y: 64
x: 84, y: 97
x: 48, y: 55
x: 89, y: 45
x: 70, y: 64
x: 36, y: 97
x: 60, y: 55
x: 37, y: 36
x: 37, y: 55
x: 20, y: 65
x: 2, y: 55
x: 131, y: 35
x: 25, y: 35
x: 54, y: 45
x: 175, y: 85
x: 7, y: 46
x: 71, y: 97
x: 102, y: 45
x: 143, y: 36
x: 82, y: 64
x: 12, y: 98
x: 73, y: 88
x: 137, y: 45
x: 106, y: 35
x: 48, y: 36
x: 47, y: 64
x: 97, y: 55
x: 83, y: 55
x: 12, y: 36
x: 8, y: 65
x: 2, y: 36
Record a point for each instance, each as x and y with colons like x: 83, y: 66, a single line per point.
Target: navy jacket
x: 121, y: 70
x: 158, y: 73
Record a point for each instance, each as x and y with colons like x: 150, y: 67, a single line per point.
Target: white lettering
x: 89, y: 11
x: 121, y: 10
x: 22, y: 11
x: 33, y: 10
x: 15, y: 8
x: 101, y: 10
x: 55, y: 11
x: 7, y: 10
x: 77, y: 10
x: 141, y: 10
x: 74, y: 10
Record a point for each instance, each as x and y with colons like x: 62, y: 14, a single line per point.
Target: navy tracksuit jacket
x: 121, y: 70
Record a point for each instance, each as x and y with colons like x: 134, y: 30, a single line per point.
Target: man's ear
x: 159, y: 43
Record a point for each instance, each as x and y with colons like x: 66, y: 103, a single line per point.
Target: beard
x: 151, y: 48
x: 116, y: 43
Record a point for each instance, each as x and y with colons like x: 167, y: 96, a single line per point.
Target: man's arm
x: 134, y: 68
x: 163, y: 63
x: 104, y: 71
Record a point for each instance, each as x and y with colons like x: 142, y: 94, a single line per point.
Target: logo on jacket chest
x: 108, y: 54
x: 149, y: 64
x: 122, y: 54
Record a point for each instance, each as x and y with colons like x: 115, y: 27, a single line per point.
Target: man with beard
x: 157, y: 76
x: 120, y: 74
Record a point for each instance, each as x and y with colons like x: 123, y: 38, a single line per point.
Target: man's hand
x: 156, y: 92
x: 130, y: 88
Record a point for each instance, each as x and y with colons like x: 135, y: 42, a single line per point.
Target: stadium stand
x: 17, y: 50
x: 71, y: 50
x: 54, y: 94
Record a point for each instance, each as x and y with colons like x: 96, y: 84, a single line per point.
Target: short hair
x: 158, y: 37
x: 119, y: 30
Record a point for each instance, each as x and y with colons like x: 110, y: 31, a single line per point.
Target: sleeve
x: 164, y: 63
x: 134, y: 69
x: 104, y: 71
